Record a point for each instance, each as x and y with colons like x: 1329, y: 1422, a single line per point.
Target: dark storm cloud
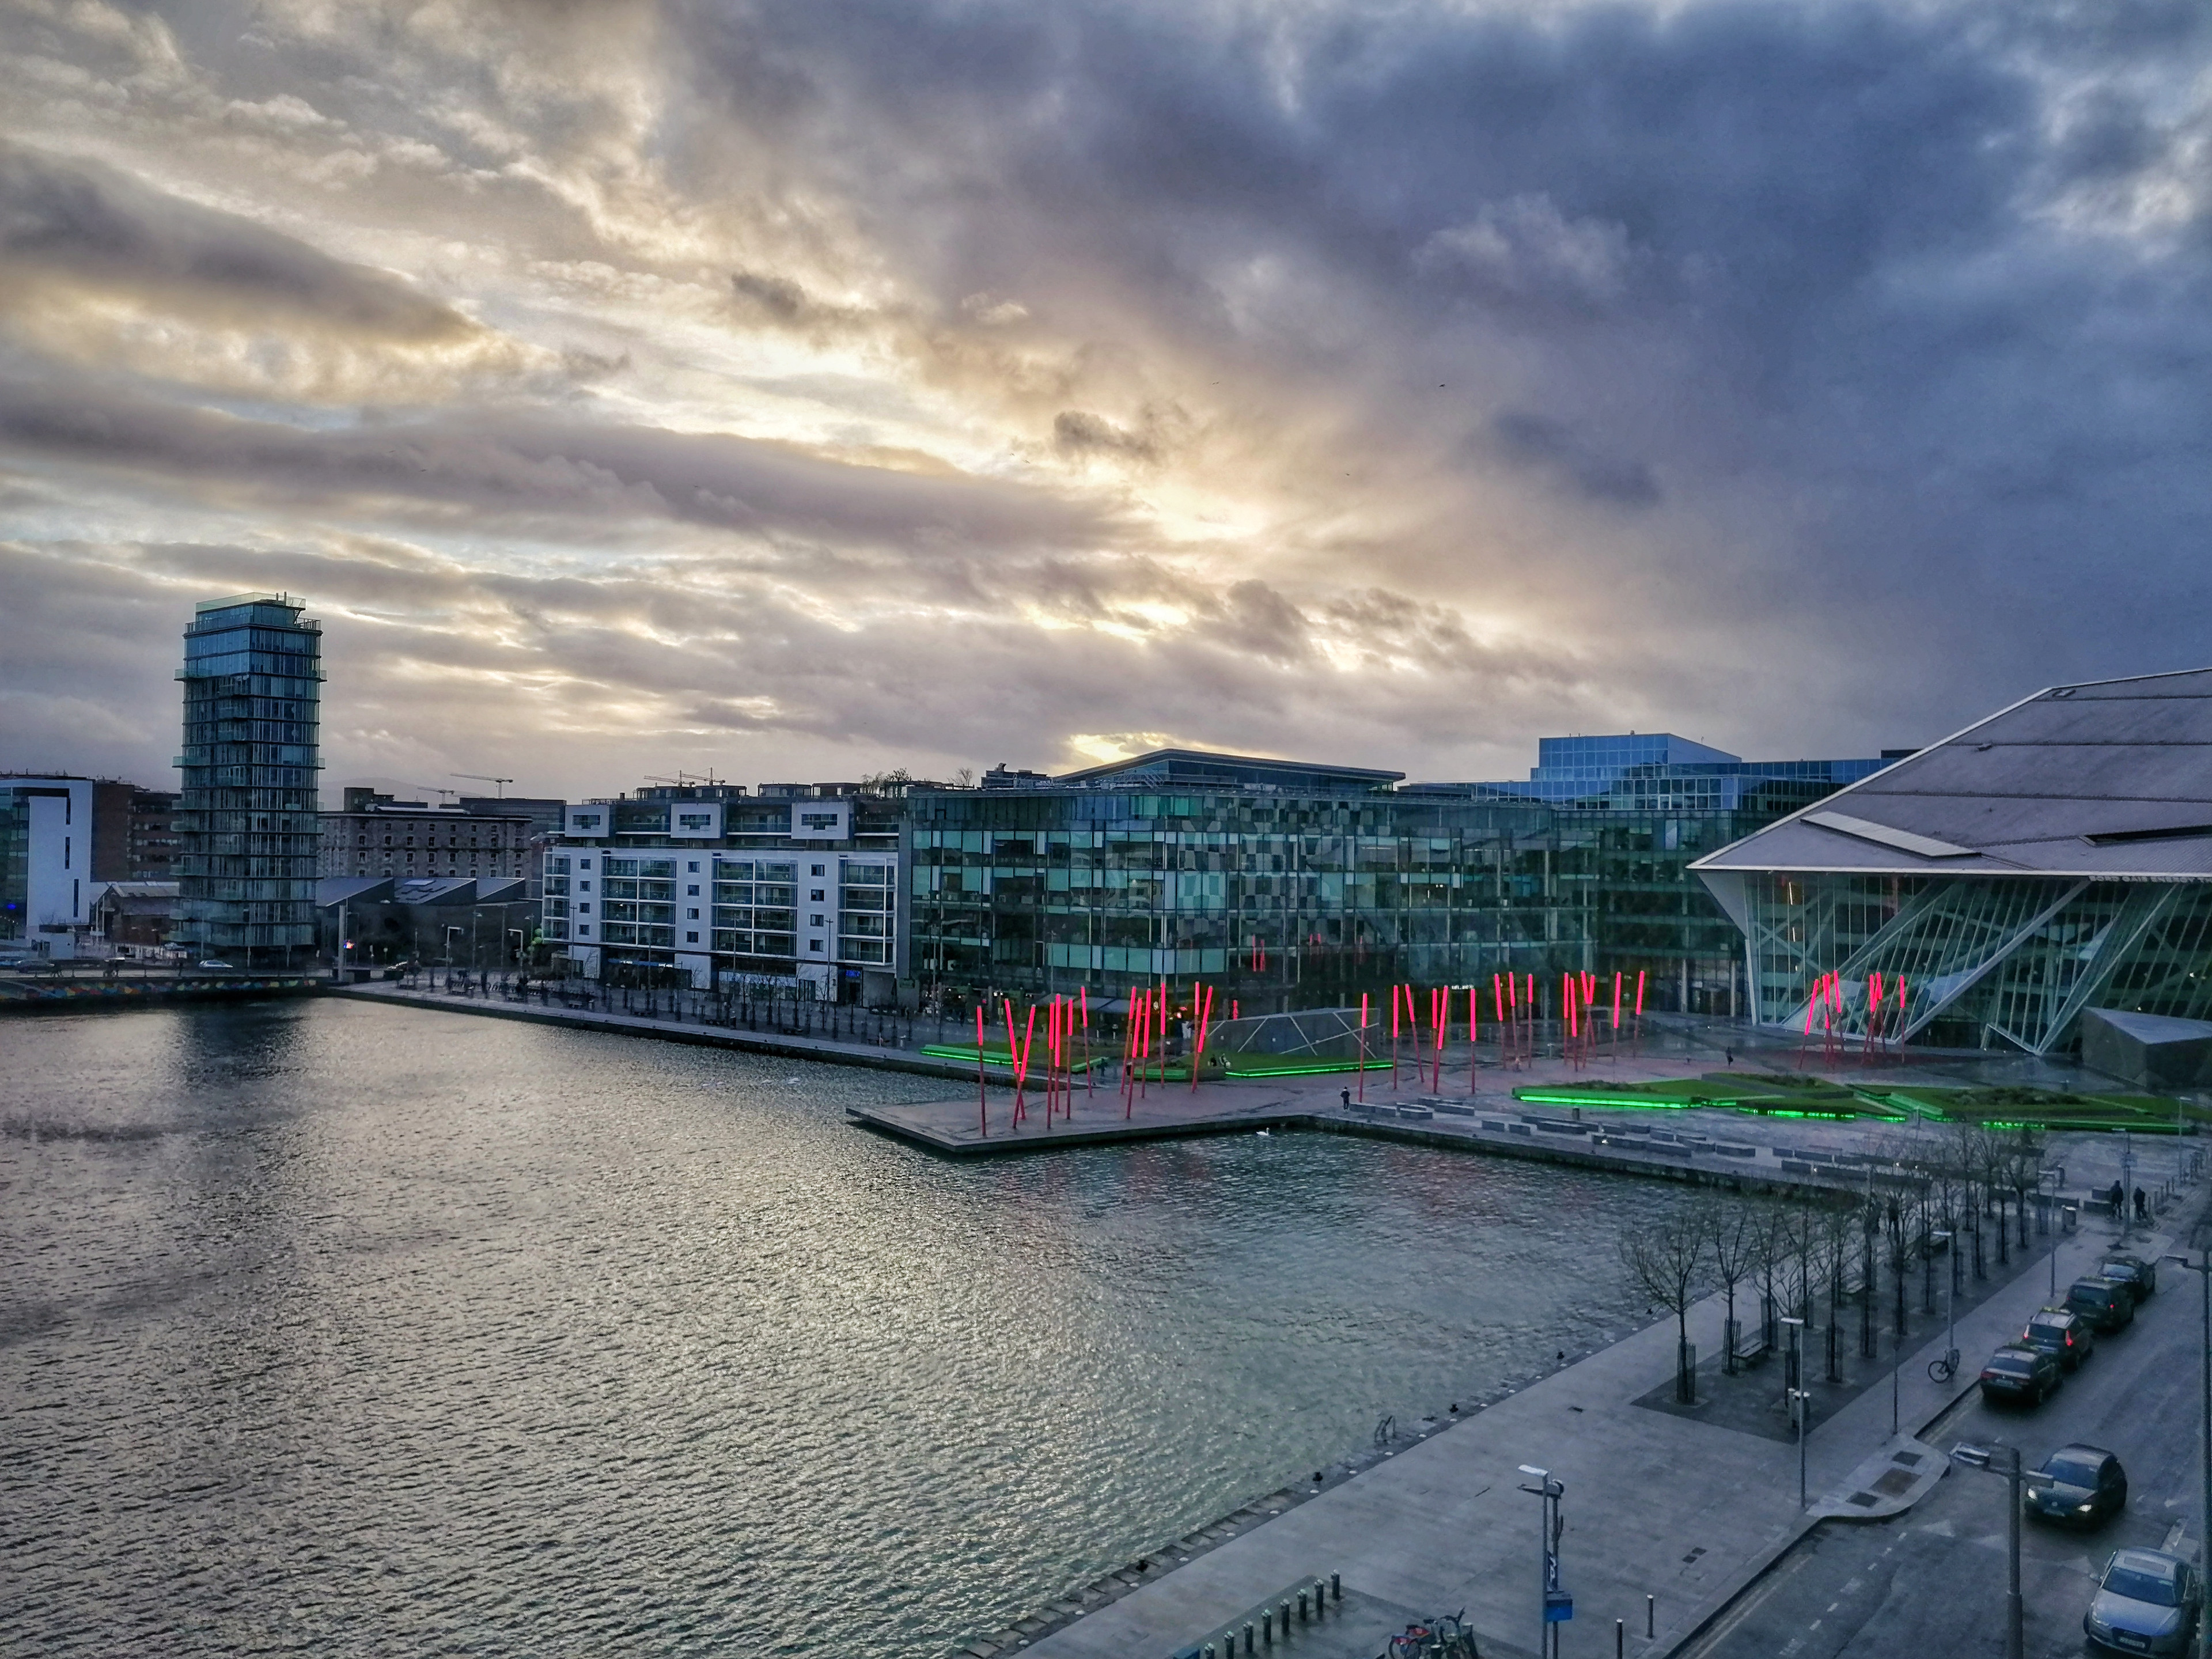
x: 81, y: 222
x: 508, y: 462
x: 1392, y: 381
x: 1829, y: 265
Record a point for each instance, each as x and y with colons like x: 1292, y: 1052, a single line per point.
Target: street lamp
x: 1800, y: 1396
x: 1557, y: 1606
x: 1951, y: 1314
x: 2005, y: 1461
x: 2203, y: 1272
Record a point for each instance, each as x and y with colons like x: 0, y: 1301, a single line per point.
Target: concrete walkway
x: 1677, y: 1509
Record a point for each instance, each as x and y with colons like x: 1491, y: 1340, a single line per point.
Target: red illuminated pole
x: 982, y: 1098
x: 1616, y: 1016
x: 1129, y: 1056
x: 1639, y: 1011
x: 1363, y: 1045
x: 1204, y: 1014
x: 1444, y: 1024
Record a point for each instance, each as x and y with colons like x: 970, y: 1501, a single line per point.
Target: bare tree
x: 1730, y: 1235
x: 1663, y: 1261
x: 1771, y: 1244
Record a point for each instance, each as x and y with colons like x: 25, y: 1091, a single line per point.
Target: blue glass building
x: 1294, y: 885
x: 247, y: 824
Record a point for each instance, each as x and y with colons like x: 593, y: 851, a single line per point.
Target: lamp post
x: 1950, y: 1309
x: 1555, y: 1607
x: 1800, y: 1398
x: 2005, y: 1461
x: 2203, y: 1272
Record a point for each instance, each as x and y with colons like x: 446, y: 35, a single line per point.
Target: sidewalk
x: 1656, y: 1505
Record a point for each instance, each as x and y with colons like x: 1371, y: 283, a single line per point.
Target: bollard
x: 1267, y: 1626
x: 1335, y: 1588
x: 1209, y: 1650
x: 1248, y: 1639
x: 1284, y: 1612
x: 1619, y: 1638
x: 1650, y: 1616
x: 1302, y: 1606
x: 1321, y: 1598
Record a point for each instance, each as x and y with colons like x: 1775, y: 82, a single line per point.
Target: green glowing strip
x: 1643, y: 1103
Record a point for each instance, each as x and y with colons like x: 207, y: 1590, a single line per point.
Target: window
x: 815, y: 869
x: 692, y: 891
x: 815, y: 894
x: 818, y: 821
x: 815, y: 946
x: 584, y: 928
x: 814, y: 922
x: 691, y: 939
x: 692, y: 914
x: 583, y: 887
x: 583, y: 907
x: 692, y: 868
x: 583, y: 864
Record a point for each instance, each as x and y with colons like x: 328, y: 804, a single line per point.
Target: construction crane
x: 499, y: 785
x: 433, y: 789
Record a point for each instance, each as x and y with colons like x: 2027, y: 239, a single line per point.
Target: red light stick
x: 982, y: 1099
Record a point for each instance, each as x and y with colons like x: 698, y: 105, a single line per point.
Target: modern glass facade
x: 2001, y: 962
x: 1293, y: 898
x: 247, y: 825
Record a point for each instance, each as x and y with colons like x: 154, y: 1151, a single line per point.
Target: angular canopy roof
x: 2111, y: 781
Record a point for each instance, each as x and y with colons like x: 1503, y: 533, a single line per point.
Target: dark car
x: 2019, y: 1375
x: 2141, y: 1277
x: 2066, y: 1337
x: 2087, y: 1486
x: 2106, y: 1304
x: 2146, y: 1602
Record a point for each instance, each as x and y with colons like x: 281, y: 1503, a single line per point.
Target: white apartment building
x: 784, y: 889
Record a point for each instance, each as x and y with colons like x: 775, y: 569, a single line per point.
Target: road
x: 1933, y: 1579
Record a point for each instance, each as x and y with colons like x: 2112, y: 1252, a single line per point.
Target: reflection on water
x: 365, y: 1330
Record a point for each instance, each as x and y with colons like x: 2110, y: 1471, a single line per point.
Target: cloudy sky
x: 798, y: 388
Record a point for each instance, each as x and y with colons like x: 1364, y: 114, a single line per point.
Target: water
x: 339, y: 1328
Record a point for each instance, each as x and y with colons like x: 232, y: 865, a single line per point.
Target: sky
x: 802, y: 389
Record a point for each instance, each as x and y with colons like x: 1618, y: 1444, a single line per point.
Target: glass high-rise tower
x: 247, y: 825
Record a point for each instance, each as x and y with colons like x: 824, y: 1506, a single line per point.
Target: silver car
x: 2148, y: 1601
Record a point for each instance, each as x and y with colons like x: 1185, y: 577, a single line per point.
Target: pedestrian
x: 1346, y: 1093
x: 2143, y: 1205
x: 2119, y: 1200
x: 1730, y: 1053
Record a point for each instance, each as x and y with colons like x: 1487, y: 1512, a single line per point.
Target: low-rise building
x: 63, y: 840
x: 703, y: 883
x: 480, y: 922
x: 374, y: 834
x: 134, y: 918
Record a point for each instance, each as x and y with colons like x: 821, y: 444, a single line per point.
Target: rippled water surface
x: 354, y: 1329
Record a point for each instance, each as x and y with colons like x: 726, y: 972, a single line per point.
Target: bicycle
x: 1943, y: 1370
x: 1446, y: 1636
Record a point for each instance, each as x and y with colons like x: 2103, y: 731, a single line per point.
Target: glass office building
x: 1301, y: 886
x: 246, y: 824
x: 2052, y: 859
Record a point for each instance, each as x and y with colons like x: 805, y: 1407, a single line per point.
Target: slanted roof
x: 352, y: 889
x: 2110, y: 780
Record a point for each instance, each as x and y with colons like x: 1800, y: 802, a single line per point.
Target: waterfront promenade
x: 1657, y: 1505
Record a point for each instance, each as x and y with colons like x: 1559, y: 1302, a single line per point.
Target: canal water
x: 344, y: 1328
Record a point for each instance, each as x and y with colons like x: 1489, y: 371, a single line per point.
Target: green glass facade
x: 247, y: 824
x: 1294, y: 900
x: 1988, y: 962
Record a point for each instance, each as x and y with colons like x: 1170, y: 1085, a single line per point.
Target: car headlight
x: 2083, y: 1508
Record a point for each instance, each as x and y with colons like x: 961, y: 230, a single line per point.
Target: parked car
x: 2087, y: 1486
x: 2020, y: 1375
x: 212, y: 966
x: 2141, y: 1277
x: 2146, y: 1602
x: 2066, y: 1337
x: 2106, y: 1304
